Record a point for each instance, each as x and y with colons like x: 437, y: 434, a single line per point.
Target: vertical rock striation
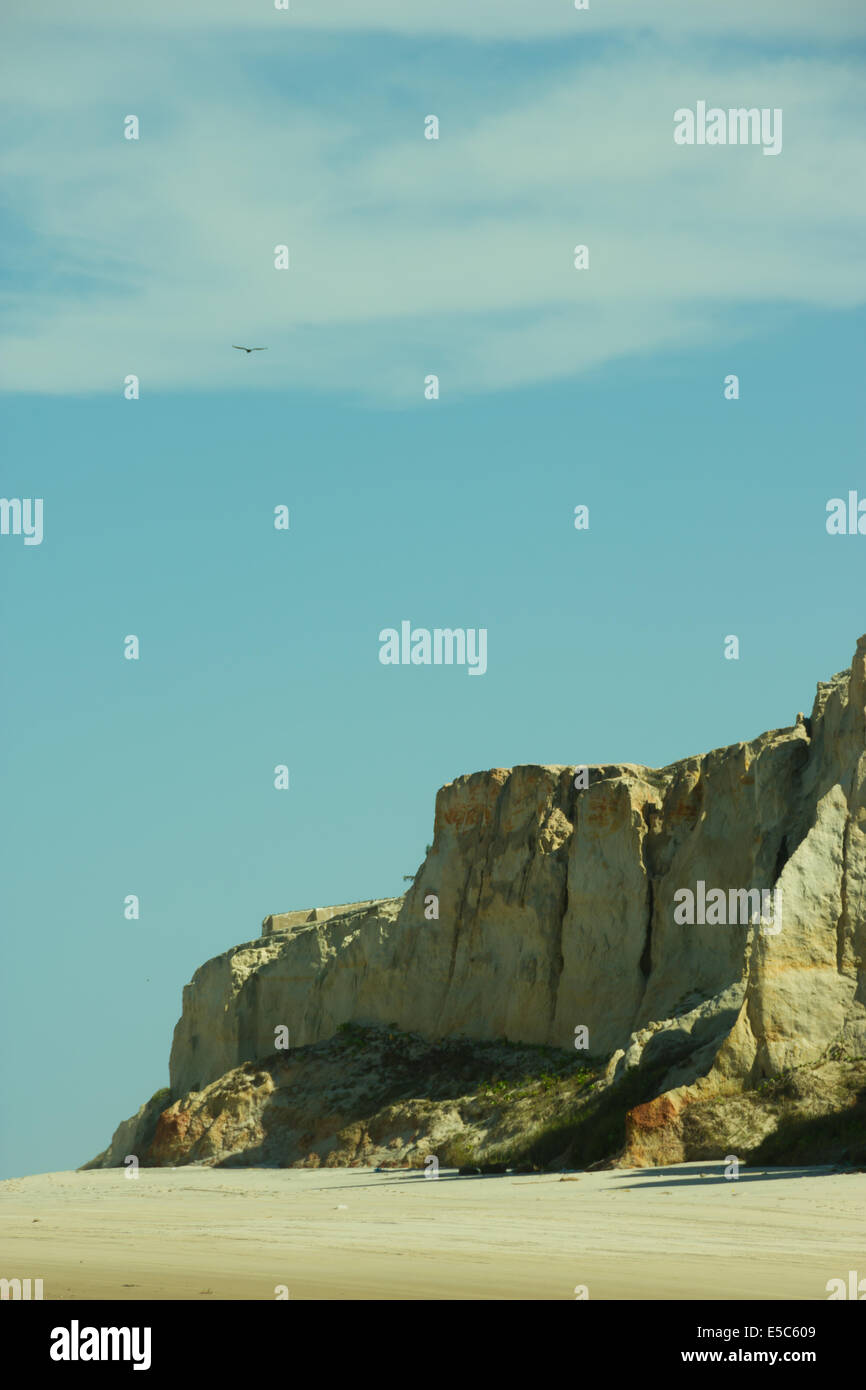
x: 556, y: 909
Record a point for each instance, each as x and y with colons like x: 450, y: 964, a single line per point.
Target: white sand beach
x: 209, y: 1233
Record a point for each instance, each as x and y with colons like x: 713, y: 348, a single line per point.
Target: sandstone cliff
x: 541, y: 908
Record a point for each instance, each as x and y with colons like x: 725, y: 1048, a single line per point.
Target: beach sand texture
x: 211, y: 1233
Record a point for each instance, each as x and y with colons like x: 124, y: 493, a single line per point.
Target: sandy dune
x: 209, y: 1233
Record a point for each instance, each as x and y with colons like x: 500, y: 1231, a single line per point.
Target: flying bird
x: 246, y: 349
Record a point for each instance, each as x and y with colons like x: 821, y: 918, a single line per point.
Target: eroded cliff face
x: 557, y: 910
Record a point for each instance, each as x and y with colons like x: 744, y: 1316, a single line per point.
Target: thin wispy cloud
x: 483, y: 19
x: 408, y: 256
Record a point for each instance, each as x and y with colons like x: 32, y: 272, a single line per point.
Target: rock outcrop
x: 369, y: 1096
x: 545, y: 906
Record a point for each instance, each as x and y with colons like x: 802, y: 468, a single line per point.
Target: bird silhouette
x: 246, y: 349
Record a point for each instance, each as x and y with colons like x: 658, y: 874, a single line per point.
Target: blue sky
x: 557, y: 388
